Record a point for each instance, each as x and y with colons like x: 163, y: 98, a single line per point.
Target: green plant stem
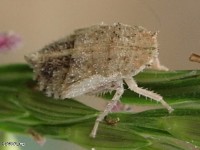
x: 23, y: 108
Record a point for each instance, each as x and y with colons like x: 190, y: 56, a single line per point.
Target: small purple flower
x: 9, y: 41
x: 121, y: 107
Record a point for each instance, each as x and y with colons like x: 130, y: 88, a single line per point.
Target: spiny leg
x: 134, y: 87
x: 110, y: 105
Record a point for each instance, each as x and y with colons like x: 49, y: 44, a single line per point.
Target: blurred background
x: 40, y: 22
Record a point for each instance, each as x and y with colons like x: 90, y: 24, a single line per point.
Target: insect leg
x: 156, y: 65
x: 110, y: 105
x: 134, y: 87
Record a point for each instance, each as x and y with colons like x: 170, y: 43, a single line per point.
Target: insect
x: 95, y: 60
x: 111, y: 121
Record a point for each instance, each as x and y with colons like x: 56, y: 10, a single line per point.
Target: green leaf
x: 108, y: 137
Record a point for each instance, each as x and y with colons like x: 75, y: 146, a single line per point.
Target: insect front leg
x: 109, y: 107
x: 134, y: 87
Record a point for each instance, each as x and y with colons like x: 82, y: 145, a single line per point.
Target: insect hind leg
x: 134, y: 87
x: 157, y: 66
x: 109, y: 107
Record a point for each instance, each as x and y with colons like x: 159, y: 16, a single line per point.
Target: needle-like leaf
x: 24, y: 109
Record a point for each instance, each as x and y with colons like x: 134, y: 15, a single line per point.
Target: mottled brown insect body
x: 117, y: 50
x: 95, y: 60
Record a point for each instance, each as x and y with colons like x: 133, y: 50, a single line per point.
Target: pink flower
x: 9, y: 41
x: 121, y: 107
